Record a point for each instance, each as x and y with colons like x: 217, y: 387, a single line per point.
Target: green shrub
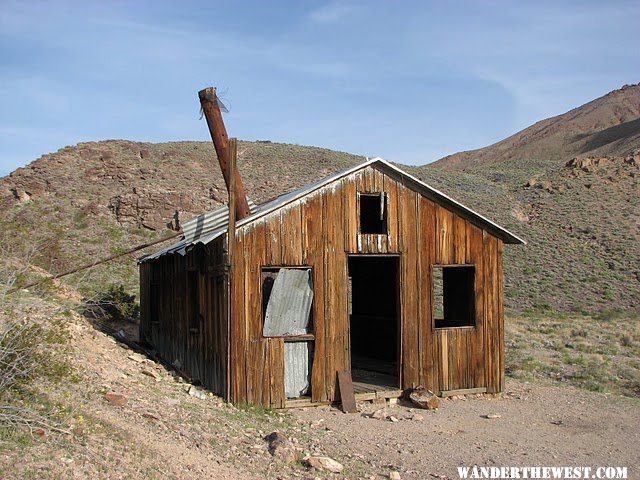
x: 27, y: 351
x: 114, y: 304
x: 30, y: 353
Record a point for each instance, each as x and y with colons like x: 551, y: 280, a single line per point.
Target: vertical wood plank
x: 273, y: 239
x: 500, y: 319
x: 352, y: 225
x: 254, y: 255
x: 238, y: 330
x: 408, y: 286
x: 336, y: 321
x: 428, y: 362
x: 276, y: 359
x: 145, y: 301
x: 444, y: 359
x: 390, y: 187
x: 491, y: 345
x: 291, y: 228
x: 247, y: 315
x: 459, y: 240
x: 266, y: 373
x: 475, y: 257
x: 313, y: 226
x: 368, y: 180
x: 444, y: 239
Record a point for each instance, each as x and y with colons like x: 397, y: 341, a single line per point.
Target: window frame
x: 472, y: 297
x: 384, y: 202
x: 310, y: 336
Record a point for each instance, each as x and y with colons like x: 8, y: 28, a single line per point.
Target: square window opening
x: 373, y: 213
x: 287, y: 298
x: 454, y: 296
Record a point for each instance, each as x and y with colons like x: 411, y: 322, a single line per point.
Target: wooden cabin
x: 369, y: 271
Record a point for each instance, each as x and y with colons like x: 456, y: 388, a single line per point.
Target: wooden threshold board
x: 464, y: 391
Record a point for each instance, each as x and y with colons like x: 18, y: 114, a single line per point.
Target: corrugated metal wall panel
x: 289, y: 304
x: 297, y: 368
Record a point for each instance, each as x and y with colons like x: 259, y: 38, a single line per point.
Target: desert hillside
x: 79, y: 398
x: 607, y: 126
x: 568, y: 185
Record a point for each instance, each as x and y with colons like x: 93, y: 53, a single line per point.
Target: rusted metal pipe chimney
x: 211, y: 110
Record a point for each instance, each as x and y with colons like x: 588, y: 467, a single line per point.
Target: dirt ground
x: 163, y: 431
x: 538, y: 425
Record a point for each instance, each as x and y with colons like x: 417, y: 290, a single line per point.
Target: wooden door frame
x: 398, y: 264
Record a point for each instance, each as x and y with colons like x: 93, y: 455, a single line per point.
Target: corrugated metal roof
x: 201, y: 229
x: 211, y: 229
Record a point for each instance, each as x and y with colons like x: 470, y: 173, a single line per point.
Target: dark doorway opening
x: 374, y: 321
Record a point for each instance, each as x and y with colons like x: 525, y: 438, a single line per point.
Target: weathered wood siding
x: 320, y: 231
x: 183, y: 312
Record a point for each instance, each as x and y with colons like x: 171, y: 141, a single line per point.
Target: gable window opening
x: 453, y: 296
x: 373, y: 213
x: 287, y: 298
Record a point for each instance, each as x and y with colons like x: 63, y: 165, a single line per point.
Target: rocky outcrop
x: 156, y: 209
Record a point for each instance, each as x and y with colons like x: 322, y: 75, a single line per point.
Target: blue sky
x: 411, y: 81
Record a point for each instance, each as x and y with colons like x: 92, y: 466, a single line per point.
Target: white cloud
x: 332, y: 12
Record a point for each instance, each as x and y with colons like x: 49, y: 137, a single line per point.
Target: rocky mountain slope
x: 568, y: 185
x: 607, y: 126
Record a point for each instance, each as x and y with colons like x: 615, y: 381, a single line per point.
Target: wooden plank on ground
x: 347, y: 397
x: 463, y: 391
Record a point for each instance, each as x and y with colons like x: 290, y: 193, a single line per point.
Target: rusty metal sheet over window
x: 297, y: 368
x: 289, y: 307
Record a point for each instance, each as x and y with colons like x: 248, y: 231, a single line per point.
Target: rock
x: 136, y: 357
x: 546, y: 185
x: 394, y: 475
x: 21, y: 195
x: 281, y: 447
x: 382, y: 414
x: 324, y: 463
x: 423, y: 398
x: 492, y: 416
x: 116, y: 399
x: 197, y: 392
x: 152, y: 374
x: 417, y: 417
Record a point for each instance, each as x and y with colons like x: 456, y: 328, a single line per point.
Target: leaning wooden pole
x: 231, y: 244
x: 211, y: 111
